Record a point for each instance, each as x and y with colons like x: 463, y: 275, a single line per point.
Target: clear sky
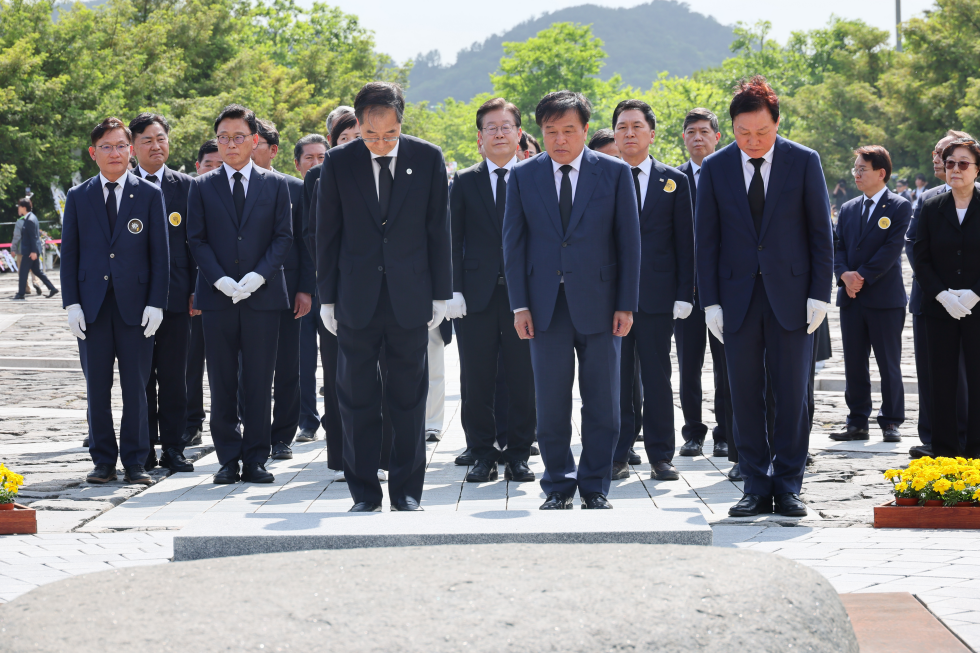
x: 404, y: 28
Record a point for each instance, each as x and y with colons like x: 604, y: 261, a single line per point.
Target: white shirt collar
x: 392, y: 154
x: 158, y: 174
x: 491, y: 166
x: 694, y: 167
x: 576, y: 164
x: 103, y: 181
x: 877, y: 196
x: 767, y: 156
x: 246, y: 171
x: 645, y: 165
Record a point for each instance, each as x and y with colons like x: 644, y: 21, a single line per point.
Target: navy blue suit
x: 598, y: 257
x: 29, y: 244
x: 762, y: 280
x: 224, y: 245
x: 875, y: 318
x: 115, y: 275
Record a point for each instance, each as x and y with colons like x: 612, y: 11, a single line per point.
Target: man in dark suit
x: 240, y: 227
x: 481, y: 303
x: 300, y: 280
x: 765, y: 258
x: 115, y: 271
x: 871, y: 295
x: 572, y: 261
x: 384, y: 275
x: 166, y: 408
x: 30, y: 251
x: 666, y: 289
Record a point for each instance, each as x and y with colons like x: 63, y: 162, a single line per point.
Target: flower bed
x: 927, y: 489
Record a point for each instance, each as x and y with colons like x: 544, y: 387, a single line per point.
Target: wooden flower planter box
x: 21, y: 521
x: 890, y: 515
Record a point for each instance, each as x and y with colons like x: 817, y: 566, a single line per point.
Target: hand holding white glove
x: 249, y: 284
x: 952, y: 305
x: 682, y: 310
x: 227, y: 285
x: 968, y: 298
x: 152, y: 317
x: 76, y: 321
x: 816, y: 311
x: 456, y: 307
x: 713, y: 318
x: 326, y: 316
x: 439, y: 307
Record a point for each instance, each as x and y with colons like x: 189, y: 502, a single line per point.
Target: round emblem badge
x: 884, y: 223
x: 670, y: 186
x: 135, y: 226
x: 175, y: 219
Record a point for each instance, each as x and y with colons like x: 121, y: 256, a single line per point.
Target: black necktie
x: 757, y: 194
x: 151, y: 178
x: 385, y: 182
x: 501, y: 199
x: 110, y: 205
x: 866, y: 213
x: 238, y: 194
x: 565, y: 197
x: 636, y: 185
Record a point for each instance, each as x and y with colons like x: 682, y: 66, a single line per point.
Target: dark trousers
x: 946, y: 339
x: 925, y: 385
x: 108, y: 340
x: 252, y: 335
x: 195, y: 375
x: 26, y: 267
x: 286, y: 381
x: 500, y: 396
x: 723, y: 397
x: 167, y: 406
x: 648, y: 340
x: 553, y: 352
x: 332, y: 427
x: 309, y: 416
x: 690, y: 336
x: 484, y: 338
x: 761, y: 344
x: 359, y: 394
x: 864, y: 330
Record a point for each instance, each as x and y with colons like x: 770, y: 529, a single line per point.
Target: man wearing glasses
x: 240, y: 230
x: 384, y: 275
x: 115, y: 270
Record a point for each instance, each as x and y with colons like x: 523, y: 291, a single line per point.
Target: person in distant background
x: 24, y: 210
x: 902, y: 188
x: 840, y: 193
x: 534, y: 148
x: 31, y: 251
x: 604, y: 141
x: 920, y: 187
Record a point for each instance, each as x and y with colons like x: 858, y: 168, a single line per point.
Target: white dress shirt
x: 491, y: 166
x: 158, y: 174
x: 118, y: 190
x: 246, y: 173
x: 644, y: 179
x: 874, y: 199
x: 749, y: 170
x: 696, y: 172
x: 377, y: 166
x: 572, y: 175
x: 961, y: 214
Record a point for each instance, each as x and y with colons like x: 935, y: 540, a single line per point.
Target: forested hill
x: 641, y: 41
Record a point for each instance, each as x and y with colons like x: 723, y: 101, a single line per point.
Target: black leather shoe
x: 595, y: 501
x: 433, y: 435
x: 151, y: 459
x: 735, y: 474
x: 557, y: 501
x: 851, y: 433
x: 483, y: 472
x: 136, y: 475
x: 751, y: 505
x: 255, y: 473
x: 54, y: 291
x: 85, y: 442
x: 891, y: 433
x: 228, y: 474
x: 720, y: 450
x: 175, y: 461
x: 102, y: 473
x: 535, y: 451
x: 789, y: 505
x: 620, y: 471
x: 406, y: 504
x: 634, y: 458
x: 518, y: 472
x: 365, y: 506
x: 306, y: 435
x: 18, y: 297
x: 921, y: 451
x: 193, y: 437
x: 691, y: 448
x: 466, y: 458
x: 639, y: 437
x: 664, y: 471
x: 281, y: 451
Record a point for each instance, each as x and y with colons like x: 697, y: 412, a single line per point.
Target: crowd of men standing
x: 535, y: 257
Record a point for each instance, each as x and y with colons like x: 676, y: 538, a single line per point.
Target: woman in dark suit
x: 947, y: 267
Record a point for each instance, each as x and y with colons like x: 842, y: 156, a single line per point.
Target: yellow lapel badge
x: 135, y: 226
x: 884, y: 223
x: 670, y: 186
x: 175, y: 219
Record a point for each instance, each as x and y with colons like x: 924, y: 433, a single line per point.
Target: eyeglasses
x: 109, y: 149
x: 238, y: 140
x: 375, y: 140
x: 857, y: 172
x: 963, y: 165
x: 504, y: 129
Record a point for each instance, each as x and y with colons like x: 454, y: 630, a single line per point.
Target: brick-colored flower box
x: 891, y: 516
x: 21, y: 521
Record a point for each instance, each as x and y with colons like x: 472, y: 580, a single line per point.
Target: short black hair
x: 635, y: 105
x: 557, y: 104
x: 140, y: 123
x: 495, y: 104
x: 697, y: 115
x: 267, y: 130
x: 209, y: 147
x: 523, y: 142
x: 752, y: 95
x: 107, y: 126
x: 309, y: 139
x: 878, y: 157
x: 26, y: 203
x: 602, y: 138
x: 903, y: 181
x: 531, y: 140
x: 920, y: 176
x: 341, y: 124
x: 237, y: 112
x: 379, y: 95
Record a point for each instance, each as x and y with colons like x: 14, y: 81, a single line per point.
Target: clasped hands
x: 958, y: 303
x: 239, y: 290
x: 853, y: 282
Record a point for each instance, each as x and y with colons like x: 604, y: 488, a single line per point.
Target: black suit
x: 947, y: 255
x: 487, y: 331
x: 382, y: 267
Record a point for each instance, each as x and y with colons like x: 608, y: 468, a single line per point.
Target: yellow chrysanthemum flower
x: 959, y: 486
x: 942, y: 486
x: 892, y: 473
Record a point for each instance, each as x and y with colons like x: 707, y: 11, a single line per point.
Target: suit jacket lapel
x: 223, y: 190
x: 778, y: 172
x: 736, y: 178
x: 94, y: 194
x: 950, y: 211
x: 689, y: 171
x: 129, y: 193
x: 255, y: 186
x: 973, y: 208
x: 588, y: 178
x: 546, y: 186
x: 403, y: 180
x: 655, y: 188
x: 169, y: 187
x: 364, y: 177
x: 867, y: 227
x: 486, y: 193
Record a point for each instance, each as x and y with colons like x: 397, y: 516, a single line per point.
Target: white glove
x: 326, y: 315
x: 713, y: 318
x: 227, y: 285
x: 439, y: 307
x: 249, y: 284
x: 968, y: 298
x: 152, y: 317
x: 456, y: 308
x: 682, y: 310
x: 816, y: 311
x: 952, y: 305
x: 76, y: 321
